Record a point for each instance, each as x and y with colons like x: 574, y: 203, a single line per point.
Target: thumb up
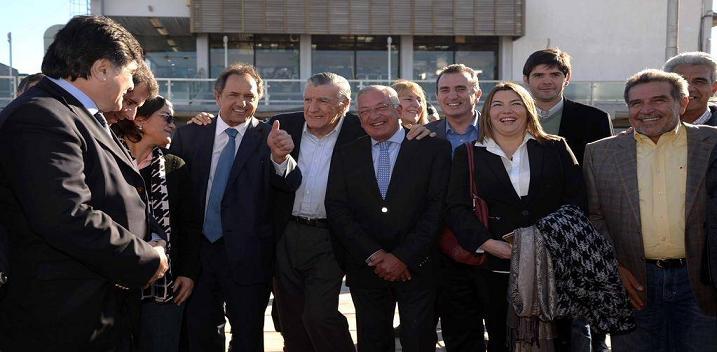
x: 280, y: 143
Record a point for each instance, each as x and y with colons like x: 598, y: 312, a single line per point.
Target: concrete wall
x: 608, y: 39
x: 141, y: 8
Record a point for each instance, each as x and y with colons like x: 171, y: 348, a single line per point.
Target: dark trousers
x: 245, y: 306
x: 469, y: 295
x: 374, y: 317
x: 307, y: 292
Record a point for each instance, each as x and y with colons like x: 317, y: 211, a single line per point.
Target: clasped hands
x: 388, y: 267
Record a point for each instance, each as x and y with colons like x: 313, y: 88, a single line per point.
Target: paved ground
x: 273, y: 342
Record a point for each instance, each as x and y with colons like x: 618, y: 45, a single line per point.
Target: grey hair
x: 692, y: 58
x: 326, y: 78
x: 390, y: 92
x: 678, y: 84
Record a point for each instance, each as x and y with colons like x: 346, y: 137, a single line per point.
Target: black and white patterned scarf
x: 586, y: 276
x: 161, y: 290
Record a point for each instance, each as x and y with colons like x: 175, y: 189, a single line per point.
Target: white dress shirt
x: 314, y: 162
x: 518, y: 168
x: 220, y: 140
x: 703, y: 118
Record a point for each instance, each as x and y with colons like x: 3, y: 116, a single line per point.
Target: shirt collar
x: 702, y: 119
x: 666, y: 137
x: 473, y: 124
x: 396, y: 138
x: 83, y: 98
x: 336, y: 129
x: 222, y: 126
x: 494, y: 148
x: 544, y: 114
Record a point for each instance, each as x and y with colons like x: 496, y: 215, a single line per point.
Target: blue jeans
x: 671, y: 320
x: 160, y: 327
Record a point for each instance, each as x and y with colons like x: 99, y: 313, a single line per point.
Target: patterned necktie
x: 213, y: 218
x: 383, y: 174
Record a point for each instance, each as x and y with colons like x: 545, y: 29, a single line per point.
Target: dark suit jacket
x: 246, y: 206
x: 555, y: 180
x: 713, y: 119
x: 414, y: 202
x: 69, y: 200
x: 710, y: 260
x: 610, y: 170
x: 293, y: 123
x: 183, y: 218
x: 581, y: 124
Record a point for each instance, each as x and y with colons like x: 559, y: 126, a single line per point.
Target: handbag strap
x: 471, y: 174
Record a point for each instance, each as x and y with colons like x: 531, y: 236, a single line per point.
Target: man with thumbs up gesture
x: 235, y: 163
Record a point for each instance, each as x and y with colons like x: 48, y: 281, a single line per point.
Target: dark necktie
x: 213, y: 218
x: 103, y: 122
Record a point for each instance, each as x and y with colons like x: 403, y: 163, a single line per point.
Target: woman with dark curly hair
x: 167, y: 181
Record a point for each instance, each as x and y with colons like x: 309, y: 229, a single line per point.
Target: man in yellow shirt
x: 647, y: 195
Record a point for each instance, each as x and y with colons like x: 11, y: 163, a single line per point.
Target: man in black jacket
x: 72, y: 200
x: 546, y: 73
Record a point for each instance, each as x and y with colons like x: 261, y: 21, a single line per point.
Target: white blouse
x: 518, y: 168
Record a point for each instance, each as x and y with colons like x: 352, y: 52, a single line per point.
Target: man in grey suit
x: 646, y: 193
x: 699, y: 69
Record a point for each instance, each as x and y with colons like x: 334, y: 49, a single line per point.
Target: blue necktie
x: 213, y: 217
x: 383, y: 174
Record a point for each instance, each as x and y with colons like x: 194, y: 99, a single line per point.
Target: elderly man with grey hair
x: 384, y: 203
x: 646, y: 193
x: 699, y: 69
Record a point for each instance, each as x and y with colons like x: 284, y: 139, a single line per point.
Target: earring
x: 140, y: 127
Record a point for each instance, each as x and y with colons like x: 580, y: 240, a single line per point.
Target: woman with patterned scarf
x: 167, y: 180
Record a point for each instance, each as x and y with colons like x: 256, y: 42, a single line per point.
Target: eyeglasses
x: 364, y: 113
x: 169, y: 119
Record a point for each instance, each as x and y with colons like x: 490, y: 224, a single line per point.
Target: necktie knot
x: 101, y: 119
x: 232, y: 132
x: 383, y: 146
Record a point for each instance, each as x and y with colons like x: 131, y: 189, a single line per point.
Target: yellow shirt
x: 661, y: 181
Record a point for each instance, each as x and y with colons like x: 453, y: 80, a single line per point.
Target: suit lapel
x: 203, y: 158
x: 249, y: 143
x: 566, y: 120
x: 625, y: 157
x: 98, y: 133
x: 405, y: 155
x: 364, y: 157
x: 699, y: 149
x: 536, y: 153
x: 494, y: 163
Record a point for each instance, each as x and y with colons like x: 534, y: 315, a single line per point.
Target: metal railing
x: 195, y: 94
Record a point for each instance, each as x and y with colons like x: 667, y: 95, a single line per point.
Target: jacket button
x: 384, y: 210
x: 525, y: 213
x: 140, y: 189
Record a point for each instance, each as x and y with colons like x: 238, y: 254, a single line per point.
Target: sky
x: 28, y: 20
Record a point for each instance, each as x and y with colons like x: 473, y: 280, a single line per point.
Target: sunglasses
x: 169, y: 119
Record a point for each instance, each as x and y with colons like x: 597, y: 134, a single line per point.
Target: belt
x: 320, y: 223
x: 667, y: 263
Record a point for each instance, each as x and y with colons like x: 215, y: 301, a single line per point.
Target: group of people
x: 111, y: 241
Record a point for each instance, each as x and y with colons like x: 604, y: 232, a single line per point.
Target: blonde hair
x: 533, y: 124
x: 403, y: 85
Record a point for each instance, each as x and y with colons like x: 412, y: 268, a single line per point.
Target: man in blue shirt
x: 458, y: 94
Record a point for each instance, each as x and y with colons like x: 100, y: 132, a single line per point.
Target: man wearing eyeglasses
x: 384, y: 200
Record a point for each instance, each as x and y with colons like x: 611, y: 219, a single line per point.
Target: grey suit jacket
x: 610, y: 170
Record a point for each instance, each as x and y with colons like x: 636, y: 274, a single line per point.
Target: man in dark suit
x: 72, y: 199
x: 699, y: 69
x: 546, y: 73
x: 308, y: 276
x: 232, y: 170
x: 384, y: 204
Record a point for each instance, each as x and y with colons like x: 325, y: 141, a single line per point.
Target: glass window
x: 171, y: 61
x: 431, y: 53
x: 274, y: 56
x: 355, y: 57
x: 240, y: 48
